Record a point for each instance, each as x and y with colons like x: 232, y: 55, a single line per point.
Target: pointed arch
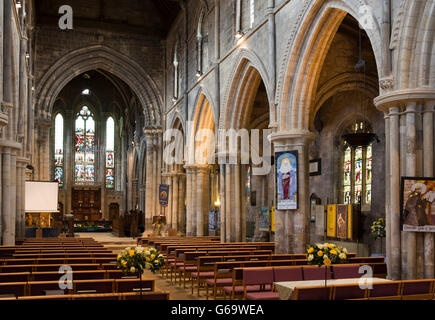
x: 305, y: 53
x: 105, y: 58
x: 202, y: 133
x: 243, y: 82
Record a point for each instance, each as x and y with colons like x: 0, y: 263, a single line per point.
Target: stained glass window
x: 110, y: 153
x: 347, y: 175
x: 58, y: 149
x: 84, y: 146
x: 357, y: 174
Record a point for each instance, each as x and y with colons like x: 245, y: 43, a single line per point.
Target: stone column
x: 194, y: 187
x: 428, y: 162
x: 387, y: 194
x: 149, y: 181
x: 68, y: 162
x: 227, y: 202
x: 168, y: 209
x: 8, y: 234
x: 154, y: 201
x: 292, y: 226
x: 202, y: 203
x: 189, y: 201
x: 223, y: 202
x: 411, y: 172
x: 175, y: 200
x: 181, y: 204
x: 237, y: 199
x: 20, y: 221
x: 395, y: 251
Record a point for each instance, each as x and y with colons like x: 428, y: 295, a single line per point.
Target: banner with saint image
x: 287, y: 180
x: 417, y: 204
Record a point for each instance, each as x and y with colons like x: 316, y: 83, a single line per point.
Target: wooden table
x: 285, y: 289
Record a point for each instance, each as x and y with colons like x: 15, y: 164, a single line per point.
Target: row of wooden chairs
x: 55, y: 275
x: 156, y: 295
x: 229, y: 276
x: 150, y: 240
x: 55, y: 267
x: 66, y: 261
x: 391, y: 290
x: 37, y: 288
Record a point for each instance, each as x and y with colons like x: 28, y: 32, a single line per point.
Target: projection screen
x: 41, y: 196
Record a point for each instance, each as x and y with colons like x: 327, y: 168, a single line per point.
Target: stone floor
x: 117, y: 244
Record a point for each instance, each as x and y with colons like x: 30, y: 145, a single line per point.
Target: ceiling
x: 152, y: 18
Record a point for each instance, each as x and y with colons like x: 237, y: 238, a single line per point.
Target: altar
x: 86, y: 204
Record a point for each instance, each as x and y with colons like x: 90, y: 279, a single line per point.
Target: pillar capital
x: 391, y: 99
x: 284, y: 139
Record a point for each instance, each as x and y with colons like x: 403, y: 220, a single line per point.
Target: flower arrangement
x: 326, y: 254
x: 378, y: 229
x: 136, y: 260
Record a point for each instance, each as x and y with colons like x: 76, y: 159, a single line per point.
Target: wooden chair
x: 13, y: 289
x: 145, y: 296
x: 417, y: 289
x: 316, y: 273
x: 282, y: 274
x: 312, y: 293
x: 134, y: 285
x: 94, y: 286
x: 262, y: 277
x: 348, y: 291
x: 42, y: 288
x: 14, y: 277
x: 385, y: 290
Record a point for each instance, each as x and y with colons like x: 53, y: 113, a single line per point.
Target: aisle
x: 176, y: 292
x: 111, y: 242
x: 117, y: 244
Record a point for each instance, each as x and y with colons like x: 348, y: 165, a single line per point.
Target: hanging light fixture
x: 361, y: 134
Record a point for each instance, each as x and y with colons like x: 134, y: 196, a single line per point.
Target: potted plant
x: 324, y: 255
x: 378, y: 231
x: 136, y: 260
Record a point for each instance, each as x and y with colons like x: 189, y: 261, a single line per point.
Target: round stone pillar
x: 292, y: 226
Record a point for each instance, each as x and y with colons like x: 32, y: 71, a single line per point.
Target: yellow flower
x: 147, y: 259
x: 333, y: 252
x: 330, y: 246
x: 153, y: 256
x: 327, y: 262
x: 119, y: 257
x: 131, y: 253
x: 311, y: 250
x: 320, y: 253
x: 124, y: 263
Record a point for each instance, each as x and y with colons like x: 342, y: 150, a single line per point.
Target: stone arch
x: 244, y: 79
x: 99, y: 57
x: 340, y: 83
x: 416, y: 46
x: 203, y: 119
x: 309, y: 43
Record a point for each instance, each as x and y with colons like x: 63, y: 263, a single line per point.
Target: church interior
x: 217, y: 149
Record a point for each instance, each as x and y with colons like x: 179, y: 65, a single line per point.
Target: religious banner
x: 417, y: 204
x: 264, y: 221
x: 272, y: 219
x: 287, y: 180
x: 163, y: 195
x: 331, y: 220
x: 342, y: 214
